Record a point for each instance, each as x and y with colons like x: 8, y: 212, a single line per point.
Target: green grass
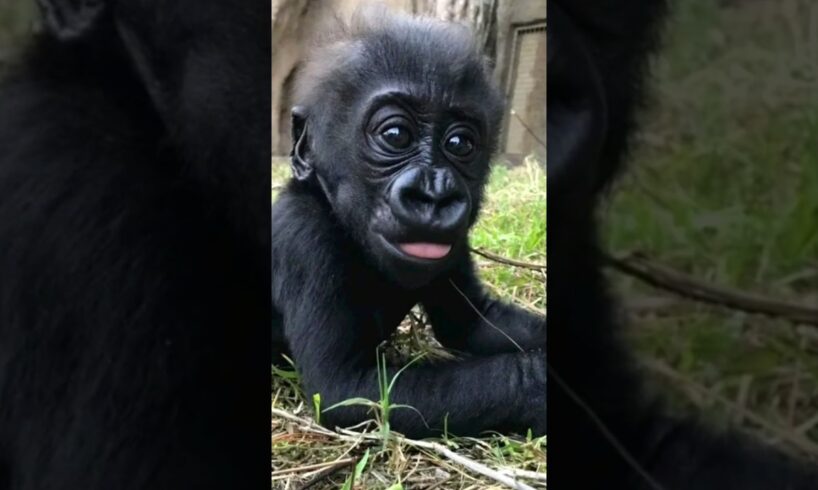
x: 724, y: 186
x: 17, y: 18
x: 512, y: 224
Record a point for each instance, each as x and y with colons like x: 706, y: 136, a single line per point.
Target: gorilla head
x: 408, y: 119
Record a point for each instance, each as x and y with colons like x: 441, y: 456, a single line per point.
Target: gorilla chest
x: 387, y: 314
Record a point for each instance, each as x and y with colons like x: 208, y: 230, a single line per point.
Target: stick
x: 326, y: 473
x: 310, y: 467
x: 530, y: 132
x: 503, y: 260
x: 347, y: 435
x: 662, y: 277
x: 480, y: 468
x: 530, y: 475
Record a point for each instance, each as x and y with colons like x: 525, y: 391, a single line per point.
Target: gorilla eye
x: 397, y: 137
x: 459, y: 145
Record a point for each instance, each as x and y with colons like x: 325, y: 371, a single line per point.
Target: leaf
x: 395, y: 377
x: 359, y: 468
x: 316, y: 405
x: 352, y: 401
x: 356, y: 475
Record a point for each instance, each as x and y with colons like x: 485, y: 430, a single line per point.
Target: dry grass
x: 512, y: 225
x: 724, y: 186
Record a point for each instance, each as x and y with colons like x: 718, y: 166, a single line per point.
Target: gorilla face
x: 410, y: 190
x: 423, y: 164
x: 402, y: 157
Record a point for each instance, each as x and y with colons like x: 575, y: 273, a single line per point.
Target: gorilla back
x: 134, y: 142
x: 395, y: 124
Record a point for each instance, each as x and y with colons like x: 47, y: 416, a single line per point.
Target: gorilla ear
x: 302, y: 167
x: 70, y: 19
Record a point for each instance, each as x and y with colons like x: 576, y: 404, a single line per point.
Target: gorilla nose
x: 430, y: 201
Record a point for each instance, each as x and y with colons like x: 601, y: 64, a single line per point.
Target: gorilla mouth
x: 417, y: 252
x: 424, y: 250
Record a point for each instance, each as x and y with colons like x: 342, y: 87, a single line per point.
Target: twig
x: 347, y: 435
x: 806, y: 426
x: 480, y: 468
x: 439, y: 484
x: 310, y: 467
x: 662, y: 277
x: 327, y: 472
x: 530, y: 132
x: 507, y: 261
x: 305, y: 423
x: 605, y: 431
x: 531, y: 475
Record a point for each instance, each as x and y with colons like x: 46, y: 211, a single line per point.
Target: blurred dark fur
x: 592, y: 375
x: 134, y: 287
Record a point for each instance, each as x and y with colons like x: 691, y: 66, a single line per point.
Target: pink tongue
x: 425, y: 250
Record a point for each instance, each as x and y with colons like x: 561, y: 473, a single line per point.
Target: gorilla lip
x: 424, y: 250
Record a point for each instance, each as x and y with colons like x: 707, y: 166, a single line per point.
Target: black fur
x: 339, y: 291
x: 597, y: 56
x: 134, y: 288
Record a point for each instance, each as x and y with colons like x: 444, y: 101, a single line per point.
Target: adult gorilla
x: 134, y: 288
x: 600, y: 416
x: 397, y: 119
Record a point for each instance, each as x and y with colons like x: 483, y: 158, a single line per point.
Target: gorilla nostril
x: 418, y: 207
x: 450, y: 200
x: 413, y: 196
x: 454, y: 213
x: 430, y: 200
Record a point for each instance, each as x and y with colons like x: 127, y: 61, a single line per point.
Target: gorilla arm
x: 466, y: 318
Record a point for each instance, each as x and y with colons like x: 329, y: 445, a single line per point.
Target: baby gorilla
x: 395, y: 124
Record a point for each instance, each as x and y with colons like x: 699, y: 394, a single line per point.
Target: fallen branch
x: 500, y: 476
x: 640, y: 267
x: 447, y: 453
x: 503, y: 260
x: 328, y: 472
x: 530, y: 475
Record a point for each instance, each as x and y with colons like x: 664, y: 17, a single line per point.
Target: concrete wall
x: 294, y: 23
x: 511, y: 16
